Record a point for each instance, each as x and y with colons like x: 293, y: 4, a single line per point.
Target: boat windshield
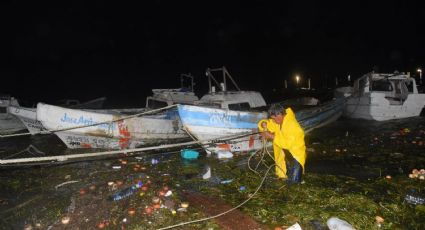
x: 382, y: 85
x: 244, y: 106
x: 155, y: 104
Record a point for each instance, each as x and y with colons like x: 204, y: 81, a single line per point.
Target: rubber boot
x: 294, y: 172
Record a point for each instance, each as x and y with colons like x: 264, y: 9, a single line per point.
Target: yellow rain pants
x: 288, y: 136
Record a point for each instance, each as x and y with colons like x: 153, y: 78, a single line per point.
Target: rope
x: 124, y: 151
x: 262, y: 151
x: 26, y: 150
x: 223, y: 213
x: 94, y: 124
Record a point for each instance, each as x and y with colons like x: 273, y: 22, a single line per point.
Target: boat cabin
x: 396, y: 87
x: 166, y: 97
x: 229, y: 99
x: 5, y: 101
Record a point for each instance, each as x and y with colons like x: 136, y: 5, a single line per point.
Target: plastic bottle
x: 413, y: 197
x: 126, y: 192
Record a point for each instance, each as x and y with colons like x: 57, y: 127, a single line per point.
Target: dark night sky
x: 121, y: 50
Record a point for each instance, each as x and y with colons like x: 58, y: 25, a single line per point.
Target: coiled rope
x: 263, y: 151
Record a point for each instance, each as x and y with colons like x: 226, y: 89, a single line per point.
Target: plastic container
x: 189, y: 154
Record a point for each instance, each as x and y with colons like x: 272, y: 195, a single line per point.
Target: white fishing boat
x: 127, y: 133
x: 160, y: 98
x: 217, y: 118
x: 122, y: 134
x: 382, y: 96
x: 8, y: 122
x: 97, y: 103
x: 28, y: 116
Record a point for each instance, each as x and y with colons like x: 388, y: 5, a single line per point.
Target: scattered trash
x: 379, y: 220
x: 65, y: 220
x: 413, y: 197
x: 242, y: 188
x: 189, y: 154
x: 168, y: 193
x: 131, y: 211
x: 224, y: 155
x: 126, y: 192
x: 334, y: 223
x: 207, y: 174
x: 148, y: 210
x: 154, y: 161
x: 116, y: 166
x: 184, y: 204
x: 226, y: 181
x: 82, y: 191
x: 296, y: 226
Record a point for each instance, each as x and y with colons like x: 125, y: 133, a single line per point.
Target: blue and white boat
x: 212, y: 124
x: 217, y: 116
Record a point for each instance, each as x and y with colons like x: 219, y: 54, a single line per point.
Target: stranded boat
x: 214, y: 118
x: 382, y: 96
x: 8, y: 122
x: 125, y: 133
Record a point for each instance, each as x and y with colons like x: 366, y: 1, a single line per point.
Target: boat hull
x: 375, y: 106
x: 213, y: 124
x: 10, y: 124
x: 208, y: 124
x: 122, y: 134
x: 28, y: 116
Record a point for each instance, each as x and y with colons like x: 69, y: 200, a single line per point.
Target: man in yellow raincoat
x: 283, y: 128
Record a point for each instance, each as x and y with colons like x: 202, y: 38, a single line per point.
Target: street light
x: 297, y: 78
x: 420, y: 75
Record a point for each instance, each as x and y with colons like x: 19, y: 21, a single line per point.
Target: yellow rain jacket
x: 288, y: 136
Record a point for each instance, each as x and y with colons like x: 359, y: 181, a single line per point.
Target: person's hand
x: 264, y: 125
x: 267, y: 135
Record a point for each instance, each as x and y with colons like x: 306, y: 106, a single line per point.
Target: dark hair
x: 276, y: 109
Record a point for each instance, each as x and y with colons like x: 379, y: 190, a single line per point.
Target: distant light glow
x: 297, y: 78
